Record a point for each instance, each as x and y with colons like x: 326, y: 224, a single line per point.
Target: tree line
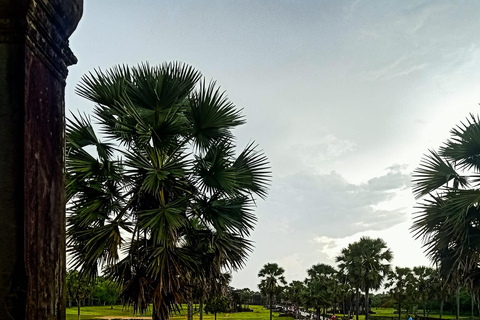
x: 88, y: 293
x: 362, y: 267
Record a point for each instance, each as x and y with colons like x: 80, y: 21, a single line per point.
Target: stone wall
x: 34, y: 56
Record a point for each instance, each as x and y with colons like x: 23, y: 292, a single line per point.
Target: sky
x: 344, y: 98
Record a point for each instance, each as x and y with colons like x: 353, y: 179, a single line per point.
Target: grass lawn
x: 390, y: 312
x: 259, y: 313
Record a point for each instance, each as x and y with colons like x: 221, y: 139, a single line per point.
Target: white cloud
x: 335, y: 205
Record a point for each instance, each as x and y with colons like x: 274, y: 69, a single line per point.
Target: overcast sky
x: 344, y: 97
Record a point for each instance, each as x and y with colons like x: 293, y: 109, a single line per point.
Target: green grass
x: 92, y: 312
x: 259, y: 313
x: 390, y: 312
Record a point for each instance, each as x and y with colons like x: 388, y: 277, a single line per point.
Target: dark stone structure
x: 34, y: 56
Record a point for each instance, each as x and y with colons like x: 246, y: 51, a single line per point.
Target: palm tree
x: 295, y: 289
x: 374, y: 257
x: 439, y: 292
x: 344, y: 290
x: 165, y: 185
x: 367, y: 262
x: 424, y: 277
x: 400, y: 282
x: 321, y: 283
x: 272, y: 279
x: 350, y: 265
x: 446, y: 185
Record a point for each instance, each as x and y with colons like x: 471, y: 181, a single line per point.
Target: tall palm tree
x: 161, y: 182
x: 350, y: 265
x: 424, y: 281
x: 344, y: 290
x: 321, y: 283
x: 367, y: 260
x: 295, y: 289
x: 400, y: 281
x: 446, y: 185
x: 271, y: 282
x: 375, y: 257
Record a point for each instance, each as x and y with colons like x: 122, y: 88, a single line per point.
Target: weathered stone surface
x: 34, y: 56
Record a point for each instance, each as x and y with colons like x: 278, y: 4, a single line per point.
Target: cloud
x: 322, y: 149
x: 402, y: 66
x: 328, y: 204
x: 407, y: 251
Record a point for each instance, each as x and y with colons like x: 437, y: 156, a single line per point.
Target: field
x: 259, y: 313
x: 390, y: 313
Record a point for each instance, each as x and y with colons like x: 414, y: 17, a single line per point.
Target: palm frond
x: 433, y: 173
x: 212, y: 116
x: 464, y: 146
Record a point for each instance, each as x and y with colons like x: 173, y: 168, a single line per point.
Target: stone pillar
x: 34, y: 56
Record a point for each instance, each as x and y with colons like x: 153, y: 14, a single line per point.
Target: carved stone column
x: 34, y: 56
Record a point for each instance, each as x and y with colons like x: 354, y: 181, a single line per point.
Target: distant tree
x: 424, y: 280
x: 294, y: 293
x: 78, y: 289
x: 106, y: 291
x: 366, y: 261
x: 379, y: 300
x: 320, y: 286
x: 401, y: 284
x: 271, y: 282
x: 215, y: 305
x: 245, y: 296
x: 350, y: 265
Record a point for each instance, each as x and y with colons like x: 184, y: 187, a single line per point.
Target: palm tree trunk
x: 78, y: 309
x: 472, y: 302
x: 399, y: 309
x: 424, y: 307
x: 343, y: 306
x: 201, y: 307
x: 367, y: 304
x: 350, y: 308
x: 357, y: 303
x: 441, y: 308
x: 271, y: 306
x: 190, y: 310
x: 458, y: 303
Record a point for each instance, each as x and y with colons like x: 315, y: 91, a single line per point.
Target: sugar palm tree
x: 367, y: 261
x: 271, y: 282
x: 375, y: 257
x: 321, y: 283
x: 350, y: 265
x: 294, y: 291
x: 400, y: 281
x: 344, y: 290
x: 424, y: 281
x: 159, y: 200
x: 446, y: 185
